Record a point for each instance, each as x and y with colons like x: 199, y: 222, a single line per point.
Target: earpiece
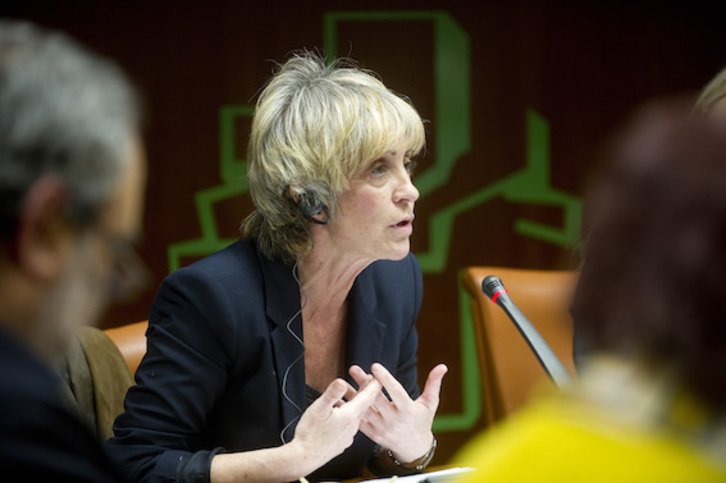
x: 309, y: 205
x: 299, y: 357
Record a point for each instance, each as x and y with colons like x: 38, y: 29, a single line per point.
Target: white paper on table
x: 441, y: 475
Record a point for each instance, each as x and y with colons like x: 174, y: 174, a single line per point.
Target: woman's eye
x: 410, y: 166
x: 378, y: 170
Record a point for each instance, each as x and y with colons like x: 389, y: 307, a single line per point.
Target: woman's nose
x: 406, y: 191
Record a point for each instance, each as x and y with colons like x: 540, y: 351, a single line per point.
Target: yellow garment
x: 570, y: 438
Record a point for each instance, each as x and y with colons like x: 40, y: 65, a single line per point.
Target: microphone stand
x: 493, y: 288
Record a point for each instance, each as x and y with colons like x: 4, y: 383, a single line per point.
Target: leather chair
x: 131, y: 341
x: 509, y: 369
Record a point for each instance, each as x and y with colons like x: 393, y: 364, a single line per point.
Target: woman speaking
x: 267, y: 360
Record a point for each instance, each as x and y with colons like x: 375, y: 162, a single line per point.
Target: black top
x: 218, y: 350
x: 42, y: 439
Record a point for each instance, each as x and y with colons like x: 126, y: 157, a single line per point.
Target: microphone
x: 493, y: 288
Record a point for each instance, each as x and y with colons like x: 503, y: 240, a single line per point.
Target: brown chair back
x: 131, y: 341
x: 509, y: 369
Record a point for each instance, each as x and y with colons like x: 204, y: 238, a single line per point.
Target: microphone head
x: 493, y: 287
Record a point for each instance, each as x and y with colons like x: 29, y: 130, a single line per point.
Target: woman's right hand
x: 329, y: 425
x: 325, y: 430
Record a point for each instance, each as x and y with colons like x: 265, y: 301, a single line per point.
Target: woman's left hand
x: 401, y: 424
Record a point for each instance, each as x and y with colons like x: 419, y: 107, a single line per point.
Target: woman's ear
x: 294, y: 191
x: 309, y: 205
x: 44, y: 235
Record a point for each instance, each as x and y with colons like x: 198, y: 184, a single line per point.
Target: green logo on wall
x: 452, y: 131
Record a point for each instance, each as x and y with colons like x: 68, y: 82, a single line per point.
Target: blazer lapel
x: 366, y: 329
x: 282, y: 305
x: 366, y: 332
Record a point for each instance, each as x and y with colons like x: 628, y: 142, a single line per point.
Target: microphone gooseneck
x: 493, y: 288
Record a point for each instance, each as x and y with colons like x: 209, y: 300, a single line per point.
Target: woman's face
x: 375, y: 214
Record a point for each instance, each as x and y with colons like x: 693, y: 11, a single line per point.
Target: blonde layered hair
x: 315, y: 125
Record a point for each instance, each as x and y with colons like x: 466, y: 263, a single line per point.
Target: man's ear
x: 44, y: 234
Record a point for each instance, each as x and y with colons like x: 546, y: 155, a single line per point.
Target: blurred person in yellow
x: 649, y: 403
x: 72, y: 176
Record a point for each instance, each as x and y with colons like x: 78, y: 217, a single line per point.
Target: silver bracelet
x: 418, y: 464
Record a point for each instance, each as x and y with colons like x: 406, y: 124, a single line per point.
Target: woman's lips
x: 404, y: 224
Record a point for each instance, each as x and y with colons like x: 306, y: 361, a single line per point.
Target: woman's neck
x: 325, y: 282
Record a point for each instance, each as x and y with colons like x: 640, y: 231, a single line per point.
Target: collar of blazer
x: 282, y: 306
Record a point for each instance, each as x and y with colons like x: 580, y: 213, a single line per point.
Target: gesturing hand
x: 329, y: 425
x: 401, y: 424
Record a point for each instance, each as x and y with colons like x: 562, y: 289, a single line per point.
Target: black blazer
x: 219, y: 345
x: 42, y: 437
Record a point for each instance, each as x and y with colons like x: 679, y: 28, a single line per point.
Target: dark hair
x: 653, y: 285
x: 64, y: 112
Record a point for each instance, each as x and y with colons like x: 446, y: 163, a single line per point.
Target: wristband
x: 418, y: 464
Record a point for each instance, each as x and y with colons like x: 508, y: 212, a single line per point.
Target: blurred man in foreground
x: 72, y: 175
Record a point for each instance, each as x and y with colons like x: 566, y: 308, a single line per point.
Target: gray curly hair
x: 712, y: 92
x: 64, y: 112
